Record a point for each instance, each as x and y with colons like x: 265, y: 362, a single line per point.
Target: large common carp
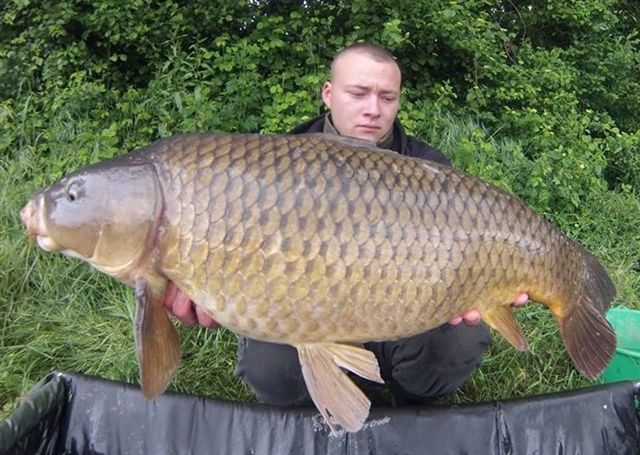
x: 319, y: 242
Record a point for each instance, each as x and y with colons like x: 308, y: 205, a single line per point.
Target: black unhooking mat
x: 73, y: 414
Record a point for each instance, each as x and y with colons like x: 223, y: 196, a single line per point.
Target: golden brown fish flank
x: 322, y: 242
x: 301, y: 231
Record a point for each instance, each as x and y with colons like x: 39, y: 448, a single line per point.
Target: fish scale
x: 246, y: 221
x: 320, y: 242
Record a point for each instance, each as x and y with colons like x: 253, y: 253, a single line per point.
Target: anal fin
x: 157, y: 341
x: 337, y: 398
x: 500, y: 318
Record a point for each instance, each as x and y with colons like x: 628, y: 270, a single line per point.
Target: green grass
x: 57, y: 313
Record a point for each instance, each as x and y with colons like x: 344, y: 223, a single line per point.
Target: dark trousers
x: 416, y: 369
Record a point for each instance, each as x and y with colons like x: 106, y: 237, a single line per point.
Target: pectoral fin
x: 501, y: 318
x: 337, y: 398
x: 157, y: 341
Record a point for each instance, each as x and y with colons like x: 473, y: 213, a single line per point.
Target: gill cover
x: 106, y: 214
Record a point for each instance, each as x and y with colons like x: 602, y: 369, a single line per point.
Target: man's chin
x: 367, y: 135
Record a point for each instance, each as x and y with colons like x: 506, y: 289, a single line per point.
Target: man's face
x: 363, y: 96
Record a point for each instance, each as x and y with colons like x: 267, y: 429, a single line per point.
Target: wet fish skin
x: 317, y: 241
x: 305, y: 239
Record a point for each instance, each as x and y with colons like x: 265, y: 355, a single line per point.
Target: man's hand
x: 473, y: 317
x: 182, y: 307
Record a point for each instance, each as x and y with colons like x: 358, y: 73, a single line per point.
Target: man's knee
x: 437, y: 362
x: 273, y: 372
x: 425, y: 366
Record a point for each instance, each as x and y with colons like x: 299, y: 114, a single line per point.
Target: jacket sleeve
x: 314, y: 125
x: 419, y: 149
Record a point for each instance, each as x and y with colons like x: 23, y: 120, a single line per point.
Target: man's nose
x: 373, y: 106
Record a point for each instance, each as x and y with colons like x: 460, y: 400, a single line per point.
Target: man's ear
x: 326, y: 94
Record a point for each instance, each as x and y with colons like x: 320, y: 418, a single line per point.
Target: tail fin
x: 587, y: 335
x: 596, y: 283
x: 589, y: 339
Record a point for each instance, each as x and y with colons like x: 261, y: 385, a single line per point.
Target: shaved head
x: 372, y: 50
x: 363, y: 94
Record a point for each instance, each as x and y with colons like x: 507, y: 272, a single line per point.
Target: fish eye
x: 72, y: 192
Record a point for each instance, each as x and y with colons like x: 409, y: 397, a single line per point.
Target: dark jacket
x: 402, y: 143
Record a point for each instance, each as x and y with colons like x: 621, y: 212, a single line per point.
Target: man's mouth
x: 369, y: 127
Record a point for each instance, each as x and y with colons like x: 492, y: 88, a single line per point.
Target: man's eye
x: 357, y: 94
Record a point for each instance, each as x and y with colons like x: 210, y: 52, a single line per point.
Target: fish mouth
x: 31, y: 216
x: 27, y: 215
x: 47, y: 243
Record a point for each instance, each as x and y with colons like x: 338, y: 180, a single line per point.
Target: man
x: 363, y: 98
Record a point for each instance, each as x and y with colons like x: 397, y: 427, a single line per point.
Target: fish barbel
x: 320, y: 242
